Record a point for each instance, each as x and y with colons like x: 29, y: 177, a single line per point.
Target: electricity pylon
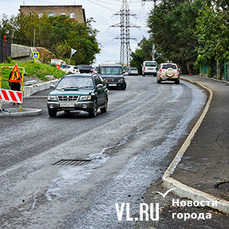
x: 124, y: 36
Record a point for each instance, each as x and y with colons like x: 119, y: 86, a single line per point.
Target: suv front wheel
x: 52, y: 112
x: 93, y: 111
x: 123, y: 87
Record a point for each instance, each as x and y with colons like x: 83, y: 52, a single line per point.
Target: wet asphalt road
x: 129, y: 148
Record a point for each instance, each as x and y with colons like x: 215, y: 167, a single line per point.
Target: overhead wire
x: 101, y: 5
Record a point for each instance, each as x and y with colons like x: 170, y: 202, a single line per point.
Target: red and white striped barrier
x: 12, y: 96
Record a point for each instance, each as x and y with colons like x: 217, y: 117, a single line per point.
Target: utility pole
x: 34, y: 37
x: 124, y: 36
x: 153, y: 45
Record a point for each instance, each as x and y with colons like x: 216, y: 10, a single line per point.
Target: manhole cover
x: 223, y: 185
x: 72, y: 162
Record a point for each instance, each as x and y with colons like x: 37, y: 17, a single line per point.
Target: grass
x: 32, y: 69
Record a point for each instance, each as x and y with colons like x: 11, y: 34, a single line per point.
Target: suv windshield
x: 166, y: 66
x: 75, y: 83
x: 111, y: 70
x: 151, y: 64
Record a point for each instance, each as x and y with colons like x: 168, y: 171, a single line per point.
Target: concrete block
x: 32, y: 89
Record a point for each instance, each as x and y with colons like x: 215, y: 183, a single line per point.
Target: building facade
x: 74, y: 12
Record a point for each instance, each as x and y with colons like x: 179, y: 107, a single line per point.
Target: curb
x: 181, y: 189
x: 14, y: 112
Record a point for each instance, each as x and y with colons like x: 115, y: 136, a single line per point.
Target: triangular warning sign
x: 15, y: 77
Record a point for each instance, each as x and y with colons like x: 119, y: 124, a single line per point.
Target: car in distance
x: 149, y: 68
x: 69, y: 69
x: 168, y: 72
x: 86, y: 92
x: 133, y: 71
x: 113, y: 75
x: 85, y: 68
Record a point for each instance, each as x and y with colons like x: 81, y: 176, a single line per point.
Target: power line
x: 100, y: 5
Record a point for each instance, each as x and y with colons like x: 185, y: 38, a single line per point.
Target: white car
x: 149, y: 68
x: 69, y: 69
x: 132, y: 71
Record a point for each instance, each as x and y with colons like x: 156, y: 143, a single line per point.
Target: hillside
x: 33, y: 70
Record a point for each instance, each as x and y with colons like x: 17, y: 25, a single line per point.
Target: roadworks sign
x: 15, y: 77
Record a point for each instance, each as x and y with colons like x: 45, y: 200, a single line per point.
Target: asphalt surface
x: 204, y: 165
x: 130, y: 148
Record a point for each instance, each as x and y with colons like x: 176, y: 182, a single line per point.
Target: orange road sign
x: 15, y: 77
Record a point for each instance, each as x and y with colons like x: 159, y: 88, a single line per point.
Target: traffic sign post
x: 16, y: 77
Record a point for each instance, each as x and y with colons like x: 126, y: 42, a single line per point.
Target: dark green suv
x: 112, y: 75
x: 86, y: 92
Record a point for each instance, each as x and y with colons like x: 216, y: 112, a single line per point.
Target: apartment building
x: 74, y: 12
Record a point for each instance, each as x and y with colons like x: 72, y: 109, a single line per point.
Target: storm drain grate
x: 72, y: 162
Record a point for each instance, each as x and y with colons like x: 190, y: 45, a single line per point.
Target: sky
x: 103, y: 12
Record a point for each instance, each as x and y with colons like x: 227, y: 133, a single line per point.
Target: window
x: 75, y: 82
x: 166, y: 66
x: 51, y: 14
x: 151, y: 64
x: 40, y: 15
x: 63, y: 14
x: 113, y: 70
x: 72, y: 15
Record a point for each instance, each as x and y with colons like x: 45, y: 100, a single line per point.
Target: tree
x: 188, y: 32
x: 213, y: 34
x: 144, y: 52
x: 57, y: 34
x: 172, y: 26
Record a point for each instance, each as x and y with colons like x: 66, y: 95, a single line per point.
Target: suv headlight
x: 121, y: 80
x: 85, y: 97
x: 52, y: 97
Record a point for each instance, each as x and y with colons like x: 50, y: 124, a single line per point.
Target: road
x: 125, y: 150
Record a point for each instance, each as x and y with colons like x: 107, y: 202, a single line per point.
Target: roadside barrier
x: 9, y: 95
x: 12, y: 96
